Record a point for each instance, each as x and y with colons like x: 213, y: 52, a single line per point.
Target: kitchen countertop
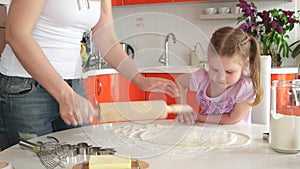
x: 229, y: 146
x: 179, y: 69
x: 284, y: 70
x: 158, y: 69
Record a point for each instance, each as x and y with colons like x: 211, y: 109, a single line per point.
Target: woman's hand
x: 187, y: 118
x: 154, y: 84
x: 75, y: 109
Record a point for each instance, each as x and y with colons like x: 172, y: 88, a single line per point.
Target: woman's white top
x: 58, y: 31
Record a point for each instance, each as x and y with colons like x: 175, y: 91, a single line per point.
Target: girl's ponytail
x: 254, y: 67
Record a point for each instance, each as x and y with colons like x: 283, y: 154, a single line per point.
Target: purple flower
x: 246, y: 27
x: 292, y: 20
x: 247, y: 12
x: 279, y: 29
x: 247, y: 9
x: 265, y: 16
x: 253, y: 5
x: 273, y: 24
x: 288, y: 13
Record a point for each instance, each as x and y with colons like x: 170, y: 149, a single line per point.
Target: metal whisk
x: 51, y: 155
x: 54, y: 153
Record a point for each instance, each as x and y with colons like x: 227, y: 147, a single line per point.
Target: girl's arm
x: 183, y: 82
x: 22, y: 17
x: 106, y: 41
x: 236, y: 115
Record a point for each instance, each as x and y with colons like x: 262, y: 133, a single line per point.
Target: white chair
x: 261, y: 112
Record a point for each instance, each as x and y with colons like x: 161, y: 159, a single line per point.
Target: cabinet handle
x: 100, y: 87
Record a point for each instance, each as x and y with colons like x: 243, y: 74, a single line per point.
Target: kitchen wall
x: 145, y: 28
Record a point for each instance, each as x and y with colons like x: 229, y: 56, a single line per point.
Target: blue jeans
x: 27, y: 110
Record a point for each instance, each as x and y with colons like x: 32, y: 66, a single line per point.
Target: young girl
x: 229, y: 86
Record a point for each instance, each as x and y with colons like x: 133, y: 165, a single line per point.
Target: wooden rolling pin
x: 138, y: 110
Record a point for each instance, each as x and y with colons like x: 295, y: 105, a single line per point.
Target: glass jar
x: 285, y: 116
x: 286, y: 97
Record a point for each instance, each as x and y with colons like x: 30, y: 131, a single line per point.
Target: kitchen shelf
x: 218, y: 16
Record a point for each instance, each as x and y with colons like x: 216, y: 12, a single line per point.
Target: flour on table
x: 179, y: 136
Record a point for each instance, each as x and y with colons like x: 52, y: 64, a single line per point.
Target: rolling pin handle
x: 179, y: 108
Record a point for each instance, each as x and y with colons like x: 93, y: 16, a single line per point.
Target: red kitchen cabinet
x: 135, y: 2
x: 122, y: 89
x: 191, y: 96
x: 287, y: 76
x: 114, y: 87
x: 162, y: 96
x: 89, y: 85
x: 111, y: 88
x: 159, y: 95
x: 117, y: 2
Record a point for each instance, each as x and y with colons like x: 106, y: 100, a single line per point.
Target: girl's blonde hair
x: 230, y: 42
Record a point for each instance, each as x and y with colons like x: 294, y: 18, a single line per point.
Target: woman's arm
x: 183, y: 82
x: 236, y: 115
x: 22, y: 17
x: 106, y: 41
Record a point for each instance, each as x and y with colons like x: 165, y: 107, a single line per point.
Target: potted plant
x: 270, y: 27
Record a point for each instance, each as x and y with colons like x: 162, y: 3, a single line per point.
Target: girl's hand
x: 187, y: 118
x: 75, y: 109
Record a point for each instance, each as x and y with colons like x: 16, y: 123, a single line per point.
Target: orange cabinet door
x: 162, y: 96
x: 111, y: 88
x: 97, y: 87
x: 123, y: 90
x: 133, y: 2
x: 117, y: 2
x: 288, y: 76
x: 158, y: 95
x: 90, y: 88
x: 103, y: 88
x: 191, y: 96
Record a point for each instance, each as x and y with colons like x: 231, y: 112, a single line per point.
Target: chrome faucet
x: 164, y: 58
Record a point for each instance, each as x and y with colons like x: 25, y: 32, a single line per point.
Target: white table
x: 255, y: 154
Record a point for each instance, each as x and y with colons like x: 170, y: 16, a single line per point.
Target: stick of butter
x: 109, y: 162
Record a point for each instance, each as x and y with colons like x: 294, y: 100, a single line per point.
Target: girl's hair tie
x: 249, y: 38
